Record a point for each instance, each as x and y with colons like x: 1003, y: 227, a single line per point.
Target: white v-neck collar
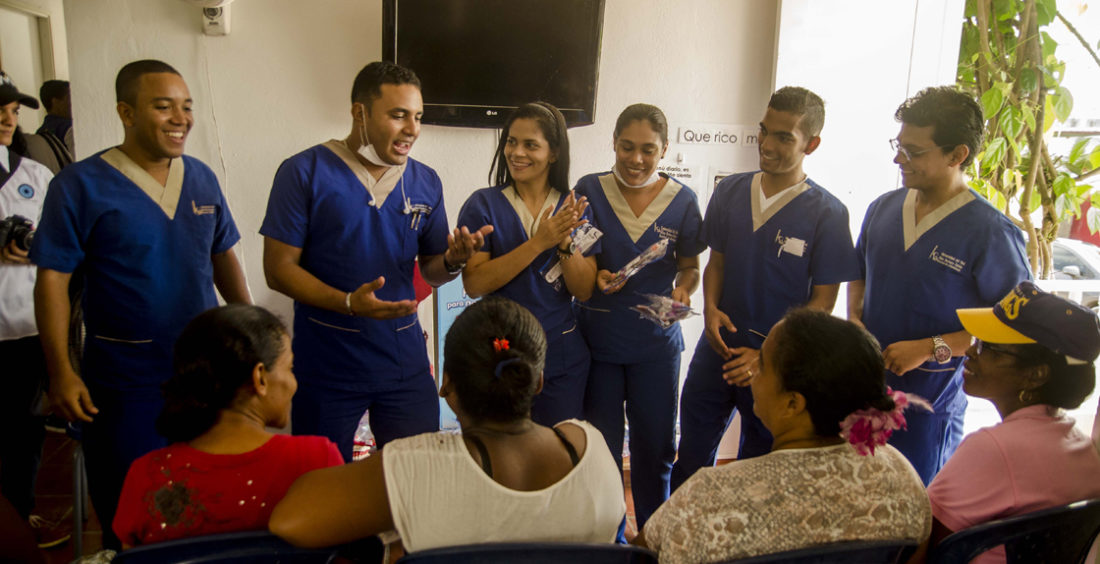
x: 761, y: 216
x: 911, y: 230
x: 636, y: 226
x: 379, y: 189
x: 166, y: 197
x: 530, y: 223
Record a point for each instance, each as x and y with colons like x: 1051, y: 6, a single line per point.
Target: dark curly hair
x: 494, y: 385
x: 956, y: 118
x: 213, y: 359
x: 126, y: 82
x: 835, y: 364
x: 552, y: 125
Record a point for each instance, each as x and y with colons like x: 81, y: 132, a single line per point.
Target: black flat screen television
x: 479, y: 59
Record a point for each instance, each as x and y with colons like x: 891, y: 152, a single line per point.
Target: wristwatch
x: 452, y: 268
x: 940, y: 351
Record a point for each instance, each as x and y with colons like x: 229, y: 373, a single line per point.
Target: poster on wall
x: 450, y: 300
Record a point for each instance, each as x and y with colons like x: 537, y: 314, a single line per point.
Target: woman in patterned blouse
x: 818, y: 377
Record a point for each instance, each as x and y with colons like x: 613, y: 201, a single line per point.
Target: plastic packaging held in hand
x: 363, y: 445
x: 583, y: 238
x: 663, y: 310
x: 655, y: 252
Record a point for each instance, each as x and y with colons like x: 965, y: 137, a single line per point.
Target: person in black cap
x: 1033, y: 356
x: 23, y: 185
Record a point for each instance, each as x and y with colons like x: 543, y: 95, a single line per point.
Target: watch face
x: 942, y: 353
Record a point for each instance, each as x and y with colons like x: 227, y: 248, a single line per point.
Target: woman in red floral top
x: 225, y: 471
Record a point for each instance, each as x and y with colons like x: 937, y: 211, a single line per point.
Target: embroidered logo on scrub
x: 26, y: 190
x: 790, y: 245
x: 203, y: 210
x: 666, y: 232
x: 947, y: 260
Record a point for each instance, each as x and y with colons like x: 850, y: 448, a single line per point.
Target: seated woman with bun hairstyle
x: 1033, y: 356
x: 820, y: 390
x: 505, y: 478
x: 225, y: 471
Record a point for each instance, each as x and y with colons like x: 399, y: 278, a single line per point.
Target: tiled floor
x: 54, y: 497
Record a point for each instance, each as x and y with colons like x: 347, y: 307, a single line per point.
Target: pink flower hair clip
x: 867, y: 428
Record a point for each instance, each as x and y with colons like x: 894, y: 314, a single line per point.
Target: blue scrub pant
x: 335, y: 413
x: 706, y: 408
x: 931, y: 439
x: 22, y: 431
x: 649, y: 390
x: 564, y: 379
x: 120, y: 433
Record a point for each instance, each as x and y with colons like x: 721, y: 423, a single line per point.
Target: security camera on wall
x: 215, y: 15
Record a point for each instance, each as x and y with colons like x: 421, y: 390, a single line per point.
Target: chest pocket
x: 412, y: 224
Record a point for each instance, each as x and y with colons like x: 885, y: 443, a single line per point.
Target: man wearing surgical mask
x: 346, y: 222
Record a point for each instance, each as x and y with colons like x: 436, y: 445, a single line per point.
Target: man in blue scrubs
x: 346, y: 222
x: 926, y: 250
x: 778, y: 240
x: 150, y: 229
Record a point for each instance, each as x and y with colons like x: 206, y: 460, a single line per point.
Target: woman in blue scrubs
x: 635, y: 360
x: 533, y: 214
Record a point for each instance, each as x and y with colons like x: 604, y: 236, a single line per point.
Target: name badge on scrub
x: 583, y: 238
x: 791, y: 245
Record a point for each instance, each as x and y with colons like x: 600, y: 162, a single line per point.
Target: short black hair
x: 52, y: 90
x: 212, y: 360
x: 552, y: 125
x: 801, y: 102
x: 368, y: 83
x: 835, y: 364
x: 1068, y: 384
x: 644, y: 112
x: 126, y: 83
x: 955, y: 116
x: 495, y: 383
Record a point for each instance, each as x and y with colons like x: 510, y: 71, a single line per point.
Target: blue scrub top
x: 550, y: 303
x: 319, y: 205
x: 970, y: 258
x: 616, y: 333
x: 146, y: 274
x: 762, y: 277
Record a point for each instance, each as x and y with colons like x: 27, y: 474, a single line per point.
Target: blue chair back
x: 849, y: 552
x: 1060, y: 534
x: 533, y: 553
x: 247, y: 547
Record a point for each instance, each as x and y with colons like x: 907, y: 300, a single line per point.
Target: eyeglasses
x: 980, y: 346
x: 908, y: 154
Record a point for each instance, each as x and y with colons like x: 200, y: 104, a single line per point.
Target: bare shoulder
x: 575, y: 433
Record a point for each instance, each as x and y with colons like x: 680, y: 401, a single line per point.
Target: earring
x: 1025, y: 396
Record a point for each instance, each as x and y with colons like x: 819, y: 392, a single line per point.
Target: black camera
x: 19, y: 229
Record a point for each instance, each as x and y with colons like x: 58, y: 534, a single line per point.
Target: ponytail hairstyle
x: 552, y: 125
x: 494, y: 355
x: 213, y: 360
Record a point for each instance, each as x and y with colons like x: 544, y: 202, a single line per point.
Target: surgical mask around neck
x: 367, y: 151
x: 652, y: 178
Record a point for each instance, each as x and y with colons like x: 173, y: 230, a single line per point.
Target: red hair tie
x: 500, y: 344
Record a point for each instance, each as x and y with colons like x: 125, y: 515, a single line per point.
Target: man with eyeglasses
x: 927, y: 249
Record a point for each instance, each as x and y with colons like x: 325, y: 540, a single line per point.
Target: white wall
x: 32, y: 49
x: 280, y: 82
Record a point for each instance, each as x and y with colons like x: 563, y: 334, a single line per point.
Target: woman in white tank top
x: 505, y: 478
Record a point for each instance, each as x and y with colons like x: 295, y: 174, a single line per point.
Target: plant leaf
x: 1093, y: 218
x: 1063, y: 103
x: 992, y: 101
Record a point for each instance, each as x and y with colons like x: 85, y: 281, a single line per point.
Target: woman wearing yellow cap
x: 1032, y: 356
